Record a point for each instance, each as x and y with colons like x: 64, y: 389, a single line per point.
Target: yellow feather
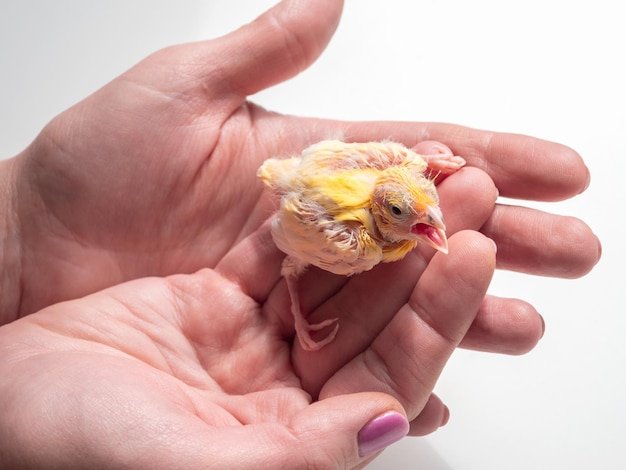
x: 398, y: 251
x: 343, y: 191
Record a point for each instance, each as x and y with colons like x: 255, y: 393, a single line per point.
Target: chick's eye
x: 395, y: 210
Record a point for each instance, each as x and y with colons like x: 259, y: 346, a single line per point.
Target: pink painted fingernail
x: 382, y: 431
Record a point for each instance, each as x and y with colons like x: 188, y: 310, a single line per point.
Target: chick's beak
x: 432, y: 230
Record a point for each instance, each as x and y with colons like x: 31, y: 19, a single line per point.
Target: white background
x: 550, y: 68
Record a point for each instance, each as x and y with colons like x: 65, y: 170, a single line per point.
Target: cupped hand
x: 155, y: 173
x: 197, y: 371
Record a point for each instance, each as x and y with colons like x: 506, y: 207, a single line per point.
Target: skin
x: 155, y: 175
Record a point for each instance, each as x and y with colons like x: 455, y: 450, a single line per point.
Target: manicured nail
x: 382, y: 431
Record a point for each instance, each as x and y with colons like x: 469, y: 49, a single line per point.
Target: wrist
x: 10, y: 250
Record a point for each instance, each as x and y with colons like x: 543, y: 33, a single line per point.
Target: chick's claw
x: 302, y: 326
x: 439, y: 157
x: 304, y: 330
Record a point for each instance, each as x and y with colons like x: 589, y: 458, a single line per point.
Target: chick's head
x: 405, y: 206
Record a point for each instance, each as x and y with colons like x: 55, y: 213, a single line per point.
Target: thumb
x: 346, y: 431
x: 279, y: 44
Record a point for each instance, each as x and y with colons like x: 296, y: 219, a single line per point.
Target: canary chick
x: 346, y: 207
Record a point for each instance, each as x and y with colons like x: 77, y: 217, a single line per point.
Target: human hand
x: 154, y: 174
x: 197, y: 371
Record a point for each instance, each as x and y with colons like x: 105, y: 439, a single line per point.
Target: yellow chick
x: 345, y: 207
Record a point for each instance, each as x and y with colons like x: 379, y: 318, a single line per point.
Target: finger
x: 505, y: 326
x: 405, y: 360
x: 466, y: 198
x: 279, y: 44
x: 253, y: 264
x: 341, y: 432
x: 521, y: 166
x: 433, y: 416
x: 536, y: 242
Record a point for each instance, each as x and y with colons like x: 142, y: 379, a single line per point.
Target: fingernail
x: 382, y: 431
x: 587, y: 182
x: 543, y: 326
x: 446, y: 416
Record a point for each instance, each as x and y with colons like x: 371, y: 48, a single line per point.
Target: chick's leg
x: 439, y: 157
x: 302, y: 326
